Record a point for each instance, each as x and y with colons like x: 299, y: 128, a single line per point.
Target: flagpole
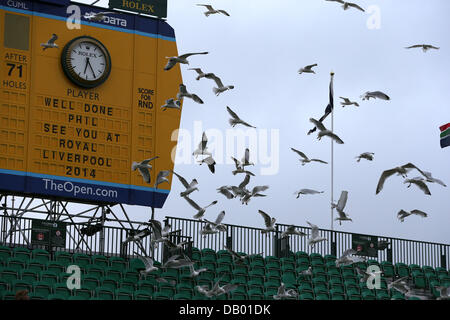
x: 332, y: 157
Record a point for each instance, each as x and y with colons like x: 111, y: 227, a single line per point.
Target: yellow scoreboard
x: 79, y: 105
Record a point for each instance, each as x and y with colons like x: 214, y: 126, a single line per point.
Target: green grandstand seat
x: 113, y: 272
x: 118, y: 262
x: 223, y: 269
x: 388, y: 269
x: 288, y: 278
x: 320, y: 288
x: 36, y: 264
x: 428, y: 271
x: 8, y: 295
x: 238, y: 295
x: 316, y: 257
x: 351, y: 289
x: 187, y: 280
x: 142, y: 295
x: 42, y: 287
x: 372, y: 262
x: 397, y: 296
x: 56, y: 296
x: 184, y: 287
x: 21, y: 252
x: 64, y: 257
x: 77, y: 298
x: 84, y: 293
x: 367, y: 295
x: 319, y: 277
x: 415, y: 268
x: 333, y: 270
x: 401, y: 270
x: 322, y: 296
x: 56, y: 266
x: 123, y: 294
x: 353, y: 296
x: 166, y: 287
x: 49, y: 276
x: 16, y: 263
x: 222, y: 253
x: 224, y: 260
x: 337, y: 290
x: 382, y: 294
x: 272, y: 260
x: 337, y: 296
x: 104, y: 293
x: 31, y: 275
x: 9, y: 274
x: 253, y: 295
x: 18, y: 285
x: 90, y: 281
x: 162, y: 296
x: 211, y: 266
x: 240, y: 266
x: 5, y: 252
x: 182, y: 296
x: 273, y: 273
x: 170, y: 274
x: 419, y: 280
x: 347, y: 270
x: 81, y: 259
x: 61, y: 289
x: 208, y: 252
x: 257, y: 267
x: 95, y: 270
x: 301, y: 254
x: 36, y: 296
x: 136, y: 264
x: 100, y: 260
x: 330, y: 258
x: 361, y: 265
x: 4, y: 285
x: 196, y: 254
x: 306, y: 296
x: 335, y: 283
x: 257, y: 257
x: 41, y: 254
x: 127, y: 284
x: 109, y: 282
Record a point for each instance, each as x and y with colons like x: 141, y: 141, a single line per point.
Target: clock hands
x: 85, y: 68
x: 89, y: 63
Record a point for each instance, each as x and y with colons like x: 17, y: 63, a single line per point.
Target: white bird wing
x: 246, y: 158
x: 318, y: 160
x: 232, y: 113
x: 419, y: 212
x: 145, y: 173
x: 146, y: 161
x: 267, y: 218
x: 314, y: 230
x: 311, y: 66
x: 182, y: 180
x: 301, y: 154
x: 184, y: 56
x: 156, y: 228
x: 257, y: 189
x: 335, y: 137
x: 245, y: 181
x: 183, y: 89
x: 224, y: 12
x: 402, y: 214
x: 198, y: 70
x: 170, y: 64
x: 380, y: 95
x: 354, y: 5
x: 342, y: 200
x: 386, y: 174
x: 208, y: 6
x: 220, y: 217
x: 318, y: 124
x: 422, y: 186
x: 415, y: 46
x: 192, y: 203
x: 217, y: 80
x: 348, y: 252
x: 409, y: 165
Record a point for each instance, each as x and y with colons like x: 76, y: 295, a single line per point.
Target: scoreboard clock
x: 86, y: 62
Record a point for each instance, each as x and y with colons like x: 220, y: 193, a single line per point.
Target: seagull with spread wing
x: 429, y: 178
x: 402, y: 170
x: 161, y: 177
x: 254, y: 193
x: 340, y: 206
x: 425, y: 47
x: 97, y: 16
x: 210, y: 162
x: 171, y: 104
x: 50, y: 43
x: 365, y: 155
x: 226, y: 191
x: 217, y: 224
x: 183, y: 93
x: 190, y: 187
x: 306, y: 191
x: 307, y: 69
x: 305, y: 159
x: 268, y: 221
x: 220, y: 87
x: 201, y: 74
x: 148, y: 263
x: 375, y: 94
x: 324, y: 132
x: 240, y: 168
x: 202, y: 147
x: 314, y: 238
x: 402, y: 214
x: 347, y: 102
x: 419, y: 182
x: 211, y: 10
x: 200, y: 211
x: 175, y: 263
x: 347, y: 5
x: 144, y: 168
x: 180, y: 59
x: 283, y: 293
x: 292, y: 230
x: 236, y: 120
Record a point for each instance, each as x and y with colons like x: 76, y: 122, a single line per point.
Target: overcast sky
x: 259, y: 50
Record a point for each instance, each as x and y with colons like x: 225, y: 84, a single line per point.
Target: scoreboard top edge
x: 125, y: 22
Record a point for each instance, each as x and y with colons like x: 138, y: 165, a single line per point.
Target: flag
x: 329, y: 107
x: 445, y: 135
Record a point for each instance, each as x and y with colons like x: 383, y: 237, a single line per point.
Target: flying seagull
x: 225, y: 190
x: 314, y: 238
x: 324, y: 132
x: 307, y: 69
x: 200, y: 211
x: 208, y: 229
x: 97, y: 16
x: 180, y: 59
x: 236, y: 120
x: 402, y: 170
x: 148, y: 263
x: 347, y: 102
x: 171, y: 104
x: 402, y: 214
x: 202, y: 147
x: 291, y: 230
x: 211, y: 10
x: 50, y: 43
x: 429, y: 178
x: 190, y: 187
x: 161, y: 177
x: 365, y: 155
x: 254, y: 193
x: 366, y: 275
x: 345, y: 259
x: 183, y: 93
x: 240, y: 168
x: 346, y: 5
x: 220, y: 87
x: 375, y: 94
x: 144, y: 168
x: 217, y: 224
x: 444, y: 292
x: 246, y: 159
x: 210, y: 162
x: 425, y: 47
x: 268, y: 221
x: 159, y: 234
x: 201, y: 74
x: 172, y: 262
x: 305, y: 159
x: 420, y: 182
x: 340, y: 206
x: 306, y: 191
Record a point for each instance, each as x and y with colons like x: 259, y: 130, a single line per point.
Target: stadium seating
x: 115, y: 278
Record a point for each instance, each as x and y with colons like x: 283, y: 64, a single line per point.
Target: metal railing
x: 110, y: 241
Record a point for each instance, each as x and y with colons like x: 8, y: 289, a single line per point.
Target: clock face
x: 86, y: 62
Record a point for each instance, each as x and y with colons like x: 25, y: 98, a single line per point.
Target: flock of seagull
x: 160, y: 235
